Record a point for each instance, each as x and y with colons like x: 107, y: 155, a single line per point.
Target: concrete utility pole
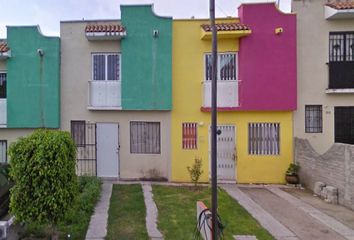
x: 214, y: 197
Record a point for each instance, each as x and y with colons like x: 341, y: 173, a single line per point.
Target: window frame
x: 106, y: 54
x: 145, y: 143
x: 4, y: 72
x: 316, y: 129
x: 218, y: 78
x: 193, y: 140
x: 4, y: 142
x: 259, y: 152
x: 82, y: 136
x: 345, y: 49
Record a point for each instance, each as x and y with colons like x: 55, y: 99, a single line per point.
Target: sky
x: 48, y: 13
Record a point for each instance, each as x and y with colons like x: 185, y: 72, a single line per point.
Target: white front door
x: 107, y: 150
x: 226, y: 153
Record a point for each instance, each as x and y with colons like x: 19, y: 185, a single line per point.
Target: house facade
x: 325, y: 73
x: 29, y: 84
x: 256, y: 95
x: 116, y: 93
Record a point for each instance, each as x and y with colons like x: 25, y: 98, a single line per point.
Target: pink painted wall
x: 267, y: 62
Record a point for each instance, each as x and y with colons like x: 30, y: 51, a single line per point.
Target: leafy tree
x: 43, y: 169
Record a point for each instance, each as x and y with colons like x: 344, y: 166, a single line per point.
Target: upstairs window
x: 106, y: 66
x: 313, y: 118
x: 2, y: 85
x: 341, y: 46
x: 226, y: 66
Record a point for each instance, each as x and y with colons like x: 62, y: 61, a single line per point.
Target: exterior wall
x: 3, y: 65
x: 335, y: 168
x: 146, y: 75
x: 312, y: 36
x: 76, y: 72
x: 33, y: 82
x: 267, y: 60
x: 188, y: 73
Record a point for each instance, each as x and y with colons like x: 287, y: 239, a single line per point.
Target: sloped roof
x: 109, y: 28
x: 226, y: 27
x: 341, y: 5
x: 4, y: 47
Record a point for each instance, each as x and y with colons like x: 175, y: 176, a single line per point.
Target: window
x: 105, y: 66
x: 344, y: 124
x: 145, y: 137
x: 3, y: 151
x: 263, y: 138
x: 2, y: 85
x: 189, y: 135
x: 78, y: 132
x: 313, y: 118
x: 341, y: 46
x: 227, y: 66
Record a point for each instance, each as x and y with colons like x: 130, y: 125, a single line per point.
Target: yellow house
x: 255, y: 143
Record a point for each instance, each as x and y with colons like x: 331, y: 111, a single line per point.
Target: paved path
x: 288, y: 217
x: 97, y: 229
x: 151, y: 213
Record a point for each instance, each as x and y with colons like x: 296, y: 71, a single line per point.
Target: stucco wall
x: 267, y: 61
x: 76, y: 72
x: 33, y: 93
x: 335, y: 168
x: 3, y: 65
x: 188, y: 53
x: 313, y: 36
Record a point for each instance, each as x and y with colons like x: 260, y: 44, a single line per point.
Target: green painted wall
x: 146, y: 61
x: 33, y: 84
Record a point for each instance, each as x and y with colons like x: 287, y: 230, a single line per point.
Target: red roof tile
x: 341, y: 5
x: 105, y: 28
x: 226, y: 27
x: 3, y: 47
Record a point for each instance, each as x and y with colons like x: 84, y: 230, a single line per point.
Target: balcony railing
x: 227, y: 94
x: 104, y: 94
x: 341, y: 75
x: 3, y: 112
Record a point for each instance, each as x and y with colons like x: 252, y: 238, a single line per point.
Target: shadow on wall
x: 335, y: 168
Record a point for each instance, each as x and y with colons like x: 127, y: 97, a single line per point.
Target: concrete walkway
x: 286, y: 216
x: 97, y: 229
x: 151, y: 213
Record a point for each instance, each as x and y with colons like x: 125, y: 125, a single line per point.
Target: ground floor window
x: 344, y: 124
x: 189, y: 135
x: 145, y: 137
x: 3, y: 151
x: 263, y: 138
x: 313, y: 118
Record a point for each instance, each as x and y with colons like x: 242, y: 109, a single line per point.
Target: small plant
x: 293, y: 169
x: 195, y: 171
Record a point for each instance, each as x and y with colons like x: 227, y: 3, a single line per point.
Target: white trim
x: 105, y: 35
x: 332, y: 13
x: 103, y: 108
x: 339, y: 90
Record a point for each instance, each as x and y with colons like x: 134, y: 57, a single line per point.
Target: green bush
x: 195, y: 171
x: 43, y: 169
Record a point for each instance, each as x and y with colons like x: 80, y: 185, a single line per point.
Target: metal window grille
x: 145, y: 137
x: 78, y: 132
x: 84, y: 135
x: 344, y: 124
x: 263, y: 138
x: 3, y: 85
x: 341, y: 46
x: 3, y: 151
x: 189, y: 135
x: 106, y: 66
x: 313, y: 118
x: 227, y: 66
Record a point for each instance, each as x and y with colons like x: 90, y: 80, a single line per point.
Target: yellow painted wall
x: 187, y: 75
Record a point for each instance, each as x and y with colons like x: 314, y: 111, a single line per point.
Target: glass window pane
x: 99, y: 67
x: 2, y: 85
x: 113, y: 67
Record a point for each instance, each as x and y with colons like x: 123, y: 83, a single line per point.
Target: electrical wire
x: 203, y: 224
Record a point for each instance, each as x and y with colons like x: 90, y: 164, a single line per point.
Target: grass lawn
x: 177, y: 213
x: 127, y: 213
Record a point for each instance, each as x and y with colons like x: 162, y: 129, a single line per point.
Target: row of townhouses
x: 135, y: 92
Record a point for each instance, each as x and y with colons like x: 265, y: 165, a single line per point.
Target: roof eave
x: 332, y: 13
